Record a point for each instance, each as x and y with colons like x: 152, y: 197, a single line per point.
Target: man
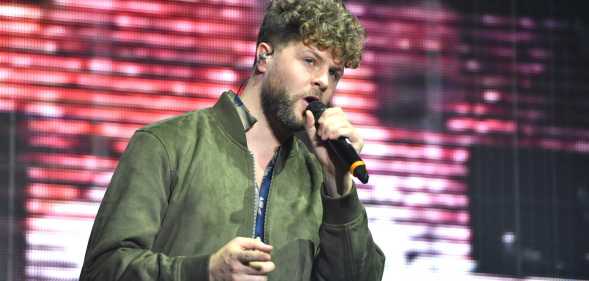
x: 229, y: 192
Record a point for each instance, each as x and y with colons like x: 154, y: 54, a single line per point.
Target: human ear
x: 263, y: 57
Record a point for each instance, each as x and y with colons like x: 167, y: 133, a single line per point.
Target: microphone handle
x: 343, y: 148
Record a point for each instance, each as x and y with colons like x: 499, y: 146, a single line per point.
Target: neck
x: 266, y: 133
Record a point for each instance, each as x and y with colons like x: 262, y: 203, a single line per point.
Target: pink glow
x: 77, y: 176
x: 52, y: 142
x: 69, y: 127
x: 436, y: 216
x: 531, y: 68
x: 415, y: 183
x: 492, y: 96
x: 432, y: 45
x: 30, y: 60
x: 473, y: 65
x: 143, y: 6
x: 19, y: 27
x: 7, y: 105
x: 28, y: 43
x: 581, y: 146
x: 416, y: 167
x: 96, y: 194
x: 82, y: 128
x: 49, y: 272
x: 74, y: 161
x: 102, y: 5
x: 364, y: 87
x: 58, y: 224
x: 527, y: 23
x: 45, y: 77
x: 136, y: 100
x: 414, y: 151
x: 73, y: 16
x: 494, y: 20
x: 20, y: 11
x: 62, y: 209
x: 223, y: 75
x: 119, y: 146
x: 46, y: 110
x: 53, y: 191
x: 352, y: 102
x: 362, y: 118
x: 104, y: 114
x: 539, y: 53
x: 481, y: 126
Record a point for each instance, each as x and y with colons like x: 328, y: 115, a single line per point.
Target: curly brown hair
x: 324, y: 24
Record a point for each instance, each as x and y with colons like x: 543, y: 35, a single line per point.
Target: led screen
x: 447, y: 100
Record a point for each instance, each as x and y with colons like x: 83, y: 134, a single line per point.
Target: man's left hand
x: 333, y: 124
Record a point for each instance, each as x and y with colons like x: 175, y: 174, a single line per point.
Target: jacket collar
x: 227, y: 113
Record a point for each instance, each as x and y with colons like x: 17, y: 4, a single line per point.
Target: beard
x: 278, y: 106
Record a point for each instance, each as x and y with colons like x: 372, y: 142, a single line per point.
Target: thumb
x: 310, y: 124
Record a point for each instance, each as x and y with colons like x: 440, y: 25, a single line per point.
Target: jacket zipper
x: 275, y: 160
x: 267, y: 206
x: 256, y: 193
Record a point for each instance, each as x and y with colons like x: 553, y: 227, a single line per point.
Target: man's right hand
x: 242, y: 259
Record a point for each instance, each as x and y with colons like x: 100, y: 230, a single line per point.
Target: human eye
x: 309, y: 60
x: 335, y: 74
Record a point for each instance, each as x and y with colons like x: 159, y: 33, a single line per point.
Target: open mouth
x: 310, y: 99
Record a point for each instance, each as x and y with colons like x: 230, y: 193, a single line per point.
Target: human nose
x: 321, y: 79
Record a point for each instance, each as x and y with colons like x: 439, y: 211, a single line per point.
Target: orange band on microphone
x: 356, y: 164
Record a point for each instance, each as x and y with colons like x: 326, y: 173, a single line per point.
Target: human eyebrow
x: 315, y: 55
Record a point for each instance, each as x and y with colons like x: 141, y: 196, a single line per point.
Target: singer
x: 232, y: 192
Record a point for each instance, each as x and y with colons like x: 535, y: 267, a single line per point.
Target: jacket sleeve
x: 129, y: 218
x: 346, y: 248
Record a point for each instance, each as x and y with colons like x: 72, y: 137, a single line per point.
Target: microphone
x: 342, y: 147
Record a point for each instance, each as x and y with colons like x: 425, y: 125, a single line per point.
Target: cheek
x: 276, y: 79
x: 292, y: 77
x: 290, y: 82
x: 299, y: 72
x: 328, y: 95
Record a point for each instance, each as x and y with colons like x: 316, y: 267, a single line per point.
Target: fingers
x: 309, y: 119
x: 243, y: 277
x: 334, y: 129
x: 254, y: 253
x: 261, y: 267
x: 255, y: 256
x: 331, y: 121
x: 253, y: 268
x: 241, y: 259
x: 333, y: 124
x: 252, y: 244
x: 310, y: 124
x: 246, y: 256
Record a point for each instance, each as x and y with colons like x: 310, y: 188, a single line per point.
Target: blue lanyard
x: 263, y: 200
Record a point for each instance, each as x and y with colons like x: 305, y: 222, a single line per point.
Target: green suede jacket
x: 185, y: 187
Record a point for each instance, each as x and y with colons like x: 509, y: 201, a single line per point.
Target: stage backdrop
x: 474, y: 117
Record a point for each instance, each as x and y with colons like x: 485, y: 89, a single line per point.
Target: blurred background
x: 474, y: 115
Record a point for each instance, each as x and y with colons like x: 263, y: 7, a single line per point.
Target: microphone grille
x: 317, y: 108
